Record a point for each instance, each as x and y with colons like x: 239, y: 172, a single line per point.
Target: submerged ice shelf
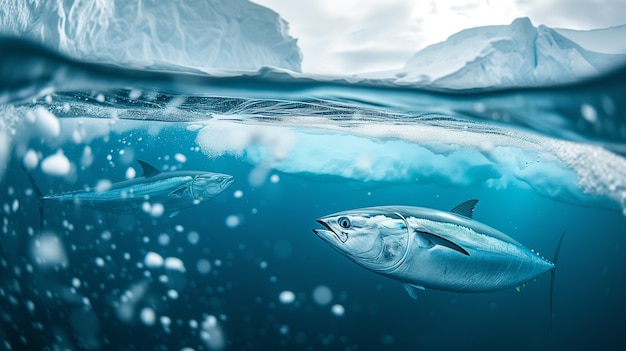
x: 552, y: 139
x: 370, y: 149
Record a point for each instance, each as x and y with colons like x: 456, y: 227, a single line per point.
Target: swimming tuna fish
x: 427, y: 248
x: 173, y: 190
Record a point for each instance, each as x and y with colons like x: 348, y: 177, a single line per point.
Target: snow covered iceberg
x: 519, y: 54
x: 219, y: 34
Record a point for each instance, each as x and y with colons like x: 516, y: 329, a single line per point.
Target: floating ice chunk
x: 147, y: 316
x: 56, y: 164
x: 322, y: 295
x: 338, y: 310
x: 87, y: 158
x: 211, y: 334
x: 153, y: 260
x: 164, y: 239
x: 47, y: 123
x: 48, y: 250
x: 286, y: 297
x: 258, y: 175
x: 130, y: 173
x: 233, y: 221
x: 193, y: 237
x: 172, y: 294
x: 103, y: 185
x: 174, y: 264
x: 589, y: 113
x: 203, y: 266
x: 125, y: 305
x: 220, y: 137
x: 99, y: 261
x: 180, y: 158
x: 166, y: 322
x: 155, y: 210
x: 31, y: 159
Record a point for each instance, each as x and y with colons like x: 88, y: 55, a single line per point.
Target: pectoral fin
x: 178, y: 192
x: 412, y: 290
x: 438, y: 240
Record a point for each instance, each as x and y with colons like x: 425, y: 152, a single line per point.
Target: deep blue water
x: 85, y: 304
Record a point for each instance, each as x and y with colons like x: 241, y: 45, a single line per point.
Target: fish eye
x: 344, y: 222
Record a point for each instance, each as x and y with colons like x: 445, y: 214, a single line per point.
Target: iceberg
x: 519, y: 54
x: 183, y: 35
x: 100, y: 84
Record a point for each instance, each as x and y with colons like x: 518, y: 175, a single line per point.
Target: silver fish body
x: 427, y: 248
x: 173, y: 190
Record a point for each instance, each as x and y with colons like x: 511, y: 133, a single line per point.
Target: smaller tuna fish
x: 427, y: 248
x: 174, y: 190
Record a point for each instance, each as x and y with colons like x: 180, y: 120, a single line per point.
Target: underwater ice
x: 457, y: 156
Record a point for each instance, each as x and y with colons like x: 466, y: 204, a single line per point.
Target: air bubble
x: 589, y: 113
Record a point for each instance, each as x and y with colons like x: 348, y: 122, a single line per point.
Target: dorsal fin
x: 148, y: 169
x: 465, y: 208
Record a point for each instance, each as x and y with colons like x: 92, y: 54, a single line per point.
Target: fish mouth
x: 329, y: 233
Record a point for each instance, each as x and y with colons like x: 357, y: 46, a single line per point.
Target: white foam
x: 175, y: 264
x: 180, y: 158
x: 166, y: 322
x: 56, y: 164
x: 153, y: 260
x: 48, y: 250
x: 103, y: 185
x: 286, y: 297
x: 87, y: 158
x: 99, y: 261
x: 232, y: 221
x: 172, y: 294
x: 322, y: 295
x: 31, y: 159
x: 46, y: 122
x: 338, y: 310
x: 131, y: 173
x: 211, y: 334
x: 164, y: 239
x: 203, y: 266
x: 193, y: 237
x: 147, y: 316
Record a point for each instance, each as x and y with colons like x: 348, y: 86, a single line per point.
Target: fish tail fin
x: 40, y: 198
x: 556, y: 257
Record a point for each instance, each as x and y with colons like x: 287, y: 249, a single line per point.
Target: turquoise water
x: 245, y: 271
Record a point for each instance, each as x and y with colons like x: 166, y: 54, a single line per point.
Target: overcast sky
x: 353, y: 36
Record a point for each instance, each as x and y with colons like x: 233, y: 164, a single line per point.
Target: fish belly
x: 444, y: 269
